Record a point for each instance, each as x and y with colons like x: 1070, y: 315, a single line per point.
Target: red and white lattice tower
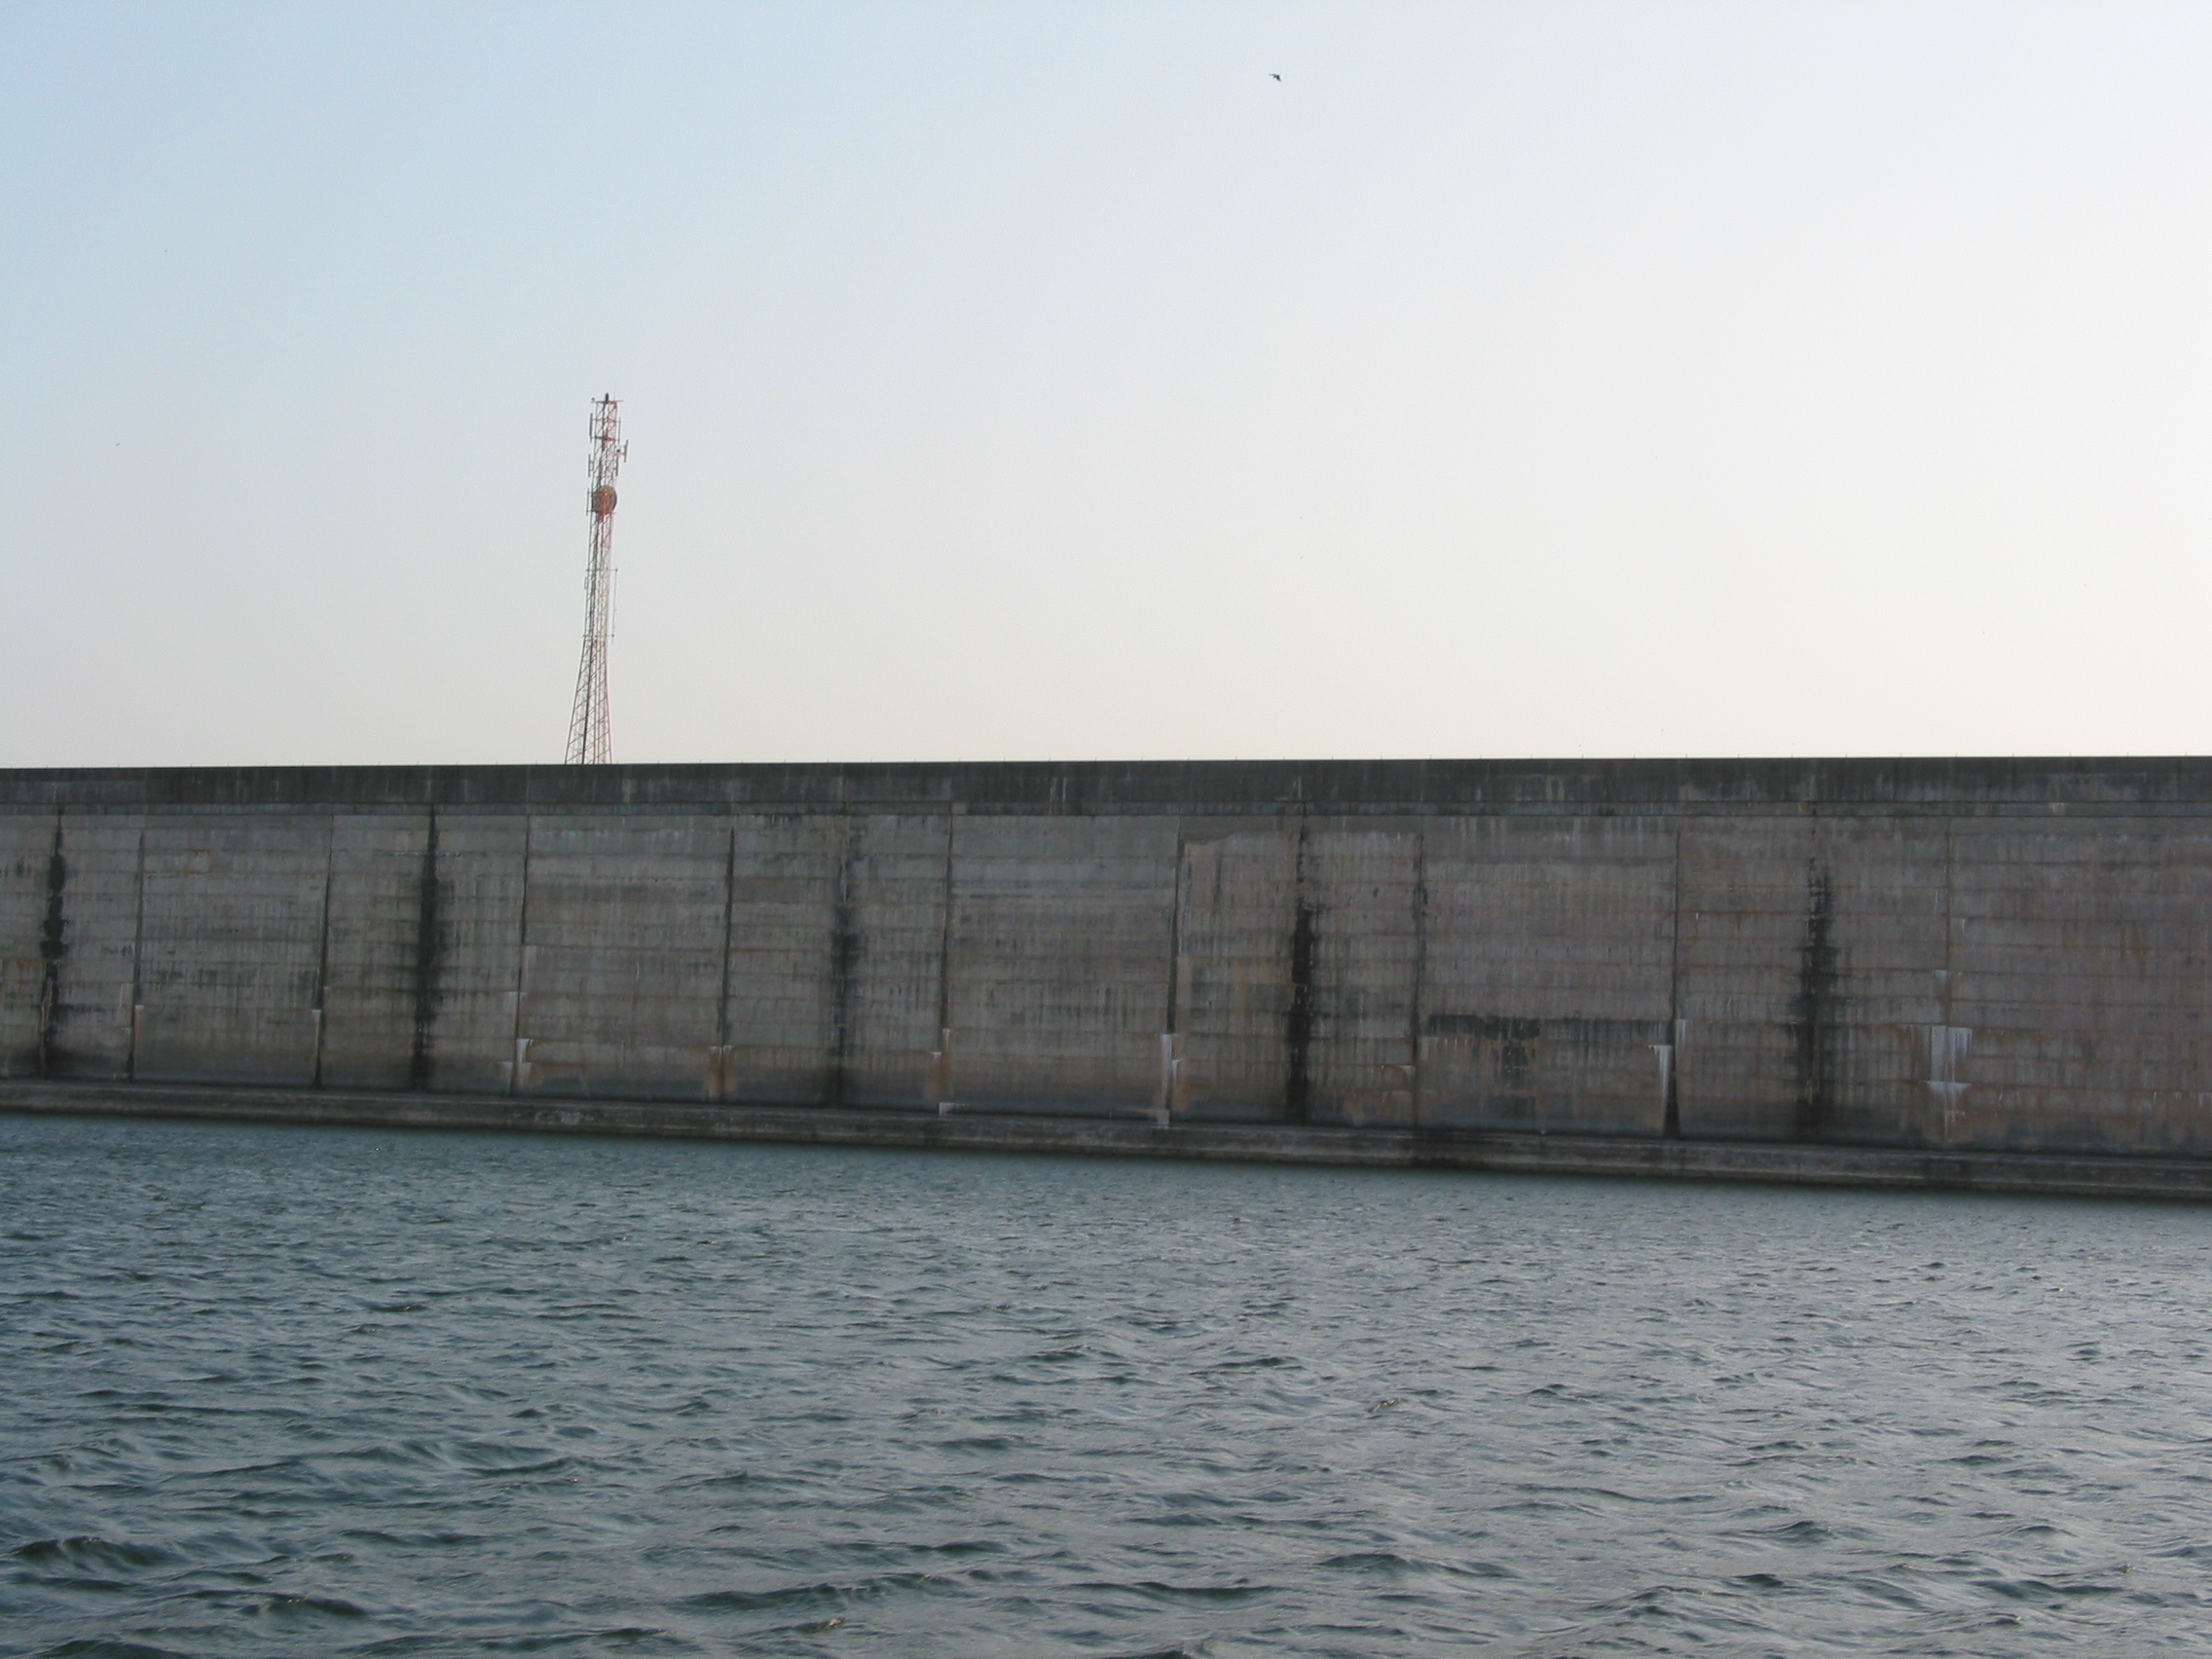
x: 591, y: 736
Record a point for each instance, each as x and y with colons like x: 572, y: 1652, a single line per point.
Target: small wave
x: 410, y: 1540
x: 1389, y: 1560
x: 1183, y: 1592
x: 489, y: 1458
x: 499, y: 1471
x: 790, y: 1595
x: 2035, y: 1589
x: 279, y: 1605
x: 620, y: 1635
x: 1799, y: 1533
x: 232, y: 1471
x: 1610, y: 1495
x: 707, y: 1483
x: 107, y: 1555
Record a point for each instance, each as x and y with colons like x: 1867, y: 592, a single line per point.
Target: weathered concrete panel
x: 1359, y: 891
x: 623, y: 943
x: 30, y: 844
x: 96, y: 977
x: 778, y: 1008
x: 230, y: 939
x: 1059, y: 960
x: 1810, y: 976
x: 2080, y: 983
x: 887, y: 983
x: 1237, y: 933
x: 1879, y: 1013
x: 1547, y: 993
x: 1749, y: 890
x: 471, y: 969
x: 372, y: 987
x: 1297, y: 967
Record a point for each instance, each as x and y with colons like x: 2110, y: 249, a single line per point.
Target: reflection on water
x: 318, y: 1391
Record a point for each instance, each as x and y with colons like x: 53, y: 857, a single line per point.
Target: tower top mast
x: 591, y: 736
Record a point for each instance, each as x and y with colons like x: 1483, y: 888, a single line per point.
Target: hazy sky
x: 1050, y: 381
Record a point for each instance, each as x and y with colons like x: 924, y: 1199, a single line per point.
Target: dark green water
x: 313, y: 1391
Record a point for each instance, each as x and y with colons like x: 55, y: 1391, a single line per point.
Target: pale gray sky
x: 1053, y: 381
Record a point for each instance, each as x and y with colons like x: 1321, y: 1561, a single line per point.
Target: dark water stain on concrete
x: 1812, y: 1013
x: 429, y: 961
x: 1298, y: 1023
x: 52, y: 946
x: 845, y: 964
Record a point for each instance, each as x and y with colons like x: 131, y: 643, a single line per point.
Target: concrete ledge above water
x: 2032, y: 1173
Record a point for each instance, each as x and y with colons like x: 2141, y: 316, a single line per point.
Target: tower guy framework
x: 591, y: 738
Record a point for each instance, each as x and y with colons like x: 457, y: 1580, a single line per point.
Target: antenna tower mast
x: 591, y: 738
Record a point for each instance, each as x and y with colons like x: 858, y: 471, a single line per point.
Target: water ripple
x: 275, y: 1392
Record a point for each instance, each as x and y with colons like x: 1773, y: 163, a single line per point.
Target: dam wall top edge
x: 1116, y: 786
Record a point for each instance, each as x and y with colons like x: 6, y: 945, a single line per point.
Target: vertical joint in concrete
x: 1421, y: 978
x: 322, y: 949
x: 52, y: 946
x: 137, y: 963
x: 1670, y: 1051
x: 721, y: 1074
x: 940, y: 1061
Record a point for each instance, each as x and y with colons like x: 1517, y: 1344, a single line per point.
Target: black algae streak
x: 52, y: 948
x: 1812, y: 1011
x: 429, y: 961
x: 1298, y: 1022
x: 845, y: 964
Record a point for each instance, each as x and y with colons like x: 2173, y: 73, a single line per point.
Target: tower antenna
x: 591, y: 736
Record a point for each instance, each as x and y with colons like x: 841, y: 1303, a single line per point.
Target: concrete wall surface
x: 1977, y: 954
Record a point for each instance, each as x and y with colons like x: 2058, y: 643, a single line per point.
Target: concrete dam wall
x: 1975, y: 954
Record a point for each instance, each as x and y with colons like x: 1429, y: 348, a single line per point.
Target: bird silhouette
x: 1271, y: 72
